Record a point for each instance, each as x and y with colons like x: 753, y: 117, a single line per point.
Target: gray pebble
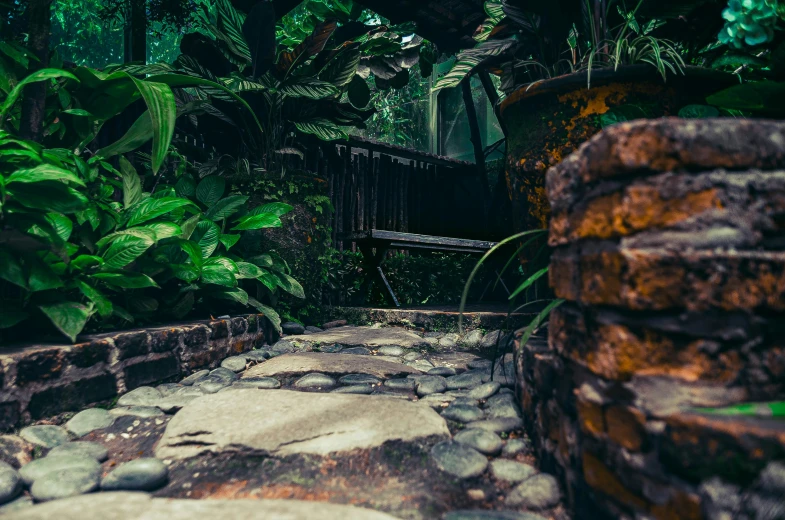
x: 23, y: 502
x: 142, y: 396
x: 391, y: 350
x: 427, y: 385
x: 194, y: 378
x: 412, y: 356
x: 437, y: 400
x: 361, y: 351
x: 282, y: 347
x: 311, y: 328
x: 485, y: 390
x: 458, y: 460
x: 45, y: 435
x: 481, y: 440
x: 506, y: 391
x: 354, y: 389
x: 400, y: 384
x: 484, y: 514
x: 212, y: 386
x: 465, y: 380
x: 463, y: 413
x: 257, y: 356
x: 472, y: 339
x: 359, y: 379
x: 538, y: 492
x: 515, y: 446
x: 511, y: 471
x: 82, y: 449
x: 449, y: 340
x: 315, y: 380
x: 331, y: 349
x: 235, y: 363
x: 293, y: 328
x: 266, y: 383
x: 423, y: 365
x: 89, y: 420
x: 10, y: 483
x: 40, y: 467
x: 509, y: 410
x: 505, y: 424
x: 168, y: 389
x: 465, y: 401
x: 480, y: 363
x: 137, y: 411
x: 441, y: 371
x: 772, y: 478
x: 144, y: 474
x: 223, y: 374
x: 65, y: 483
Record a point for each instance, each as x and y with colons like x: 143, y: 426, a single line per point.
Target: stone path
x: 379, y: 422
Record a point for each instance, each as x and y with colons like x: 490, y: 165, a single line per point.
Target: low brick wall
x: 668, y: 238
x: 38, y: 381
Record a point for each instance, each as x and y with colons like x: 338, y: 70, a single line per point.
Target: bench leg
x: 373, y: 264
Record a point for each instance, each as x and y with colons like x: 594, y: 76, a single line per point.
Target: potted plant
x: 568, y: 68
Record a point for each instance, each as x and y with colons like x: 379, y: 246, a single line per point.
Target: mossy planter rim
x: 625, y: 73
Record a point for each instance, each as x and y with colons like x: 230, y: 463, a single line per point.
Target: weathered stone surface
x: 482, y: 514
x: 88, y: 420
x: 400, y: 384
x: 305, y: 362
x: 45, y: 435
x: 145, y: 474
x: 391, y: 350
x: 427, y: 385
x: 194, y: 378
x: 462, y: 413
x: 71, y: 396
x: 368, y: 337
x: 458, y: 460
x: 511, y: 471
x: 137, y: 411
x: 484, y: 391
x: 15, y: 451
x: 357, y: 351
x: 359, y: 379
x: 315, y: 380
x: 142, y: 396
x: 81, y: 449
x: 65, y: 483
x: 441, y: 371
x: 466, y: 380
x: 282, y: 347
x: 313, y: 330
x: 505, y: 424
x: 10, y: 483
x: 149, y: 371
x: 41, y: 467
x: 540, y: 491
x: 132, y: 506
x: 266, y: 383
x: 283, y: 422
x: 14, y: 506
x: 234, y: 363
x: 515, y: 446
x: 354, y: 389
x: 437, y: 401
x: 472, y: 339
x: 483, y: 441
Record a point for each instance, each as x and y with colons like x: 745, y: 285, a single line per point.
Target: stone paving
x: 380, y: 422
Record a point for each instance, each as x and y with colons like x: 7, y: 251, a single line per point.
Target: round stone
x: 144, y: 474
x: 41, y: 467
x: 481, y: 440
x: 538, y: 492
x: 142, y: 396
x: 437, y: 400
x: 137, y: 411
x: 448, y: 340
x: 315, y: 380
x: 234, y: 363
x: 194, y: 378
x: 484, y: 391
x: 480, y: 363
x: 14, y: 506
x: 211, y: 386
x: 391, y: 350
x: 472, y: 339
x: 463, y: 413
x: 10, y: 483
x: 413, y: 356
x: 257, y: 356
x: 45, y: 435
x: 514, y: 447
x: 423, y: 365
x: 291, y: 327
x: 168, y: 389
x: 504, y: 424
x: 465, y: 380
x: 331, y: 349
x: 65, y: 483
x: 427, y: 385
x: 266, y: 383
x: 458, y: 460
x: 441, y: 371
x: 431, y: 341
x: 82, y: 449
x: 311, y: 328
x: 483, y: 514
x: 362, y: 351
x: 223, y: 374
x: 359, y: 379
x: 465, y: 401
x: 511, y: 471
x: 400, y: 384
x: 354, y: 389
x: 772, y: 478
x: 502, y: 411
x: 15, y: 451
x: 282, y: 347
x: 89, y: 420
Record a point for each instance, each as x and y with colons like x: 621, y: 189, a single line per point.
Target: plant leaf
x: 268, y: 312
x: 163, y: 112
x: 276, y: 208
x: 125, y: 249
x: 225, y: 207
x: 132, y: 186
x: 310, y: 88
x: 210, y: 190
x: 206, y: 235
x: 126, y: 280
x: 290, y: 285
x: 151, y: 208
x: 102, y: 304
x: 322, y: 128
x: 219, y: 275
x: 43, y: 172
x: 260, y: 221
x: 69, y: 317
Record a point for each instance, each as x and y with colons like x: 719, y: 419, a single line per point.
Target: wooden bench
x: 383, y: 241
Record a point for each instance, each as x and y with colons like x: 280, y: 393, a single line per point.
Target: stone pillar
x: 668, y: 241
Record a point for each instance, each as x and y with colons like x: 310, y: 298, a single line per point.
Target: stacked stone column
x: 668, y: 240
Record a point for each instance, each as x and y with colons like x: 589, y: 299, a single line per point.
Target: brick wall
x: 38, y: 381
x: 668, y: 241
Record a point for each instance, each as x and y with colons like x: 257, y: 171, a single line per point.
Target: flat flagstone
x: 368, y: 337
x: 306, y: 362
x: 131, y: 506
x: 283, y: 422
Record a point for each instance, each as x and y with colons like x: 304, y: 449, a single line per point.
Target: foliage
x: 749, y: 23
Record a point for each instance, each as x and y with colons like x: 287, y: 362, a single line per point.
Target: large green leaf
x: 163, y: 112
x: 193, y: 251
x: 206, y: 235
x: 185, y: 187
x: 311, y: 46
x: 132, y: 186
x: 225, y: 207
x: 210, y: 190
x: 48, y: 196
x: 11, y: 269
x: 310, y: 88
x: 764, y: 97
x: 69, y: 317
x: 187, y: 273
x: 226, y: 262
x: 230, y: 293
x: 42, y: 277
x: 9, y: 318
x: 341, y: 69
x: 41, y: 75
x: 290, y: 285
x: 260, y: 221
x: 138, y: 134
x: 165, y: 230
x: 322, y: 128
x: 126, y: 280
x: 219, y: 275
x: 228, y: 240
x: 248, y: 270
x: 183, y: 306
x: 125, y: 250
x: 189, y: 225
x: 269, y: 313
x: 276, y: 208
x: 466, y: 61
x: 145, y: 232
x: 102, y: 304
x: 151, y: 208
x: 43, y: 172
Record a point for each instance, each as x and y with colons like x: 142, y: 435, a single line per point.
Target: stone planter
x: 667, y: 241
x: 548, y: 120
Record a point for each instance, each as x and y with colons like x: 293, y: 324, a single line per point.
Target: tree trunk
x: 39, y: 14
x: 135, y: 33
